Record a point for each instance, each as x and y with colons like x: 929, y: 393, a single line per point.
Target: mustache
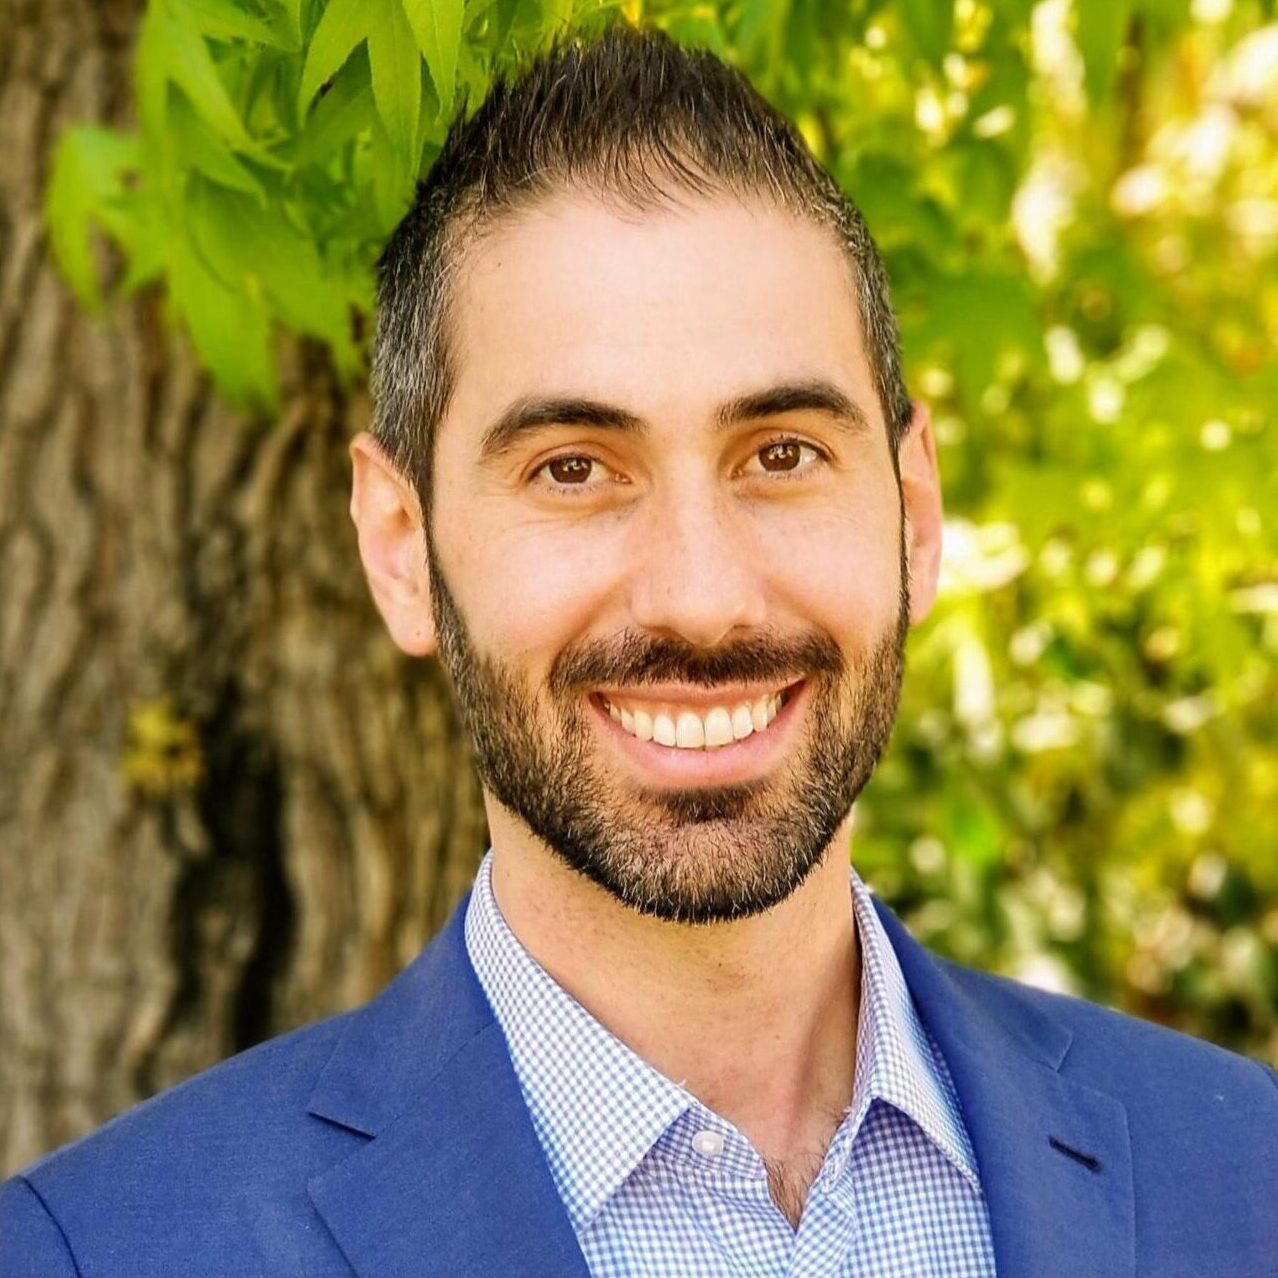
x: 634, y: 659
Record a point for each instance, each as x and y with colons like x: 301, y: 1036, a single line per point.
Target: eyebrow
x: 534, y: 413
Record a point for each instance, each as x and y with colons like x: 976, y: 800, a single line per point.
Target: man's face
x: 667, y: 556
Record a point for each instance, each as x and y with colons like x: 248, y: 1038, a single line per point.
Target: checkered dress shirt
x: 658, y: 1185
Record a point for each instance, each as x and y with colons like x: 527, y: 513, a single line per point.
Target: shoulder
x: 1103, y: 1036
x: 199, y: 1161
x: 210, y: 1178
x: 247, y: 1100
x: 1094, y: 1045
x: 1168, y: 1080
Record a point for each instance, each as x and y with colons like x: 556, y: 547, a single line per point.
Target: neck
x: 755, y: 1017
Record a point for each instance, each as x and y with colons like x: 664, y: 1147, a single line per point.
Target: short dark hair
x: 628, y: 114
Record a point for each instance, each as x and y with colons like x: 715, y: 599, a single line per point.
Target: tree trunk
x: 227, y: 804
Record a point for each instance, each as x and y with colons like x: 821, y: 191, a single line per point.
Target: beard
x: 703, y: 854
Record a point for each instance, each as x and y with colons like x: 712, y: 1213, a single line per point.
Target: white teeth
x: 687, y: 730
x: 690, y: 732
x: 718, y: 727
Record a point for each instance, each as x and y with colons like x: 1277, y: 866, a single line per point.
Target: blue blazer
x: 393, y: 1141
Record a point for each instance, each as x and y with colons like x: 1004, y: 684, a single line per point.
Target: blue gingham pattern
x: 657, y: 1185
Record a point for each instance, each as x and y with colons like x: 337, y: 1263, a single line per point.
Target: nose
x: 696, y: 575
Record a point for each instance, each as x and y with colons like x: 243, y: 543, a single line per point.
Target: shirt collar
x: 897, y: 1061
x: 598, y: 1108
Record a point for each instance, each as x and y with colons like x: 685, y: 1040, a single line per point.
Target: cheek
x: 840, y: 577
x: 838, y: 570
x: 536, y: 587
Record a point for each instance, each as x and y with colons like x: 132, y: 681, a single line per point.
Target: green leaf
x: 268, y: 96
x: 340, y: 113
x: 202, y: 150
x: 140, y: 224
x: 975, y: 829
x: 930, y: 24
x: 556, y: 16
x: 801, y: 52
x: 230, y: 330
x: 344, y: 25
x: 396, y: 69
x: 761, y: 32
x: 292, y: 11
x: 983, y: 178
x: 979, y: 317
x: 1101, y: 26
x: 699, y: 29
x: 503, y: 22
x: 150, y: 73
x: 226, y: 20
x: 256, y: 251
x: 473, y: 79
x: 188, y: 64
x: 88, y: 167
x: 392, y: 186
x: 476, y: 10
x: 437, y: 26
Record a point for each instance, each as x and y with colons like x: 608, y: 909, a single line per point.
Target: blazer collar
x: 454, y: 1182
x: 1054, y: 1154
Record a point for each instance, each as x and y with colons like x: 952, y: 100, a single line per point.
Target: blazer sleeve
x: 32, y: 1244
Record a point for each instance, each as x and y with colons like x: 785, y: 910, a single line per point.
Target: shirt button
x: 708, y: 1143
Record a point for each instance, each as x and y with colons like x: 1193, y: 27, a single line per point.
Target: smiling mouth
x: 684, y: 727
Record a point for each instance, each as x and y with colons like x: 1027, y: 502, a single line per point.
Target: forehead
x: 666, y: 312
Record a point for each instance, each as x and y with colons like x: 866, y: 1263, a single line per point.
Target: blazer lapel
x: 1053, y: 1154
x: 453, y: 1180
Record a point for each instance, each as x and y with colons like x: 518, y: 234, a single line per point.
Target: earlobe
x: 924, y: 516
x: 392, y: 546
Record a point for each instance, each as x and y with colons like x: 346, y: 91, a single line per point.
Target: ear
x: 392, y: 545
x: 921, y: 496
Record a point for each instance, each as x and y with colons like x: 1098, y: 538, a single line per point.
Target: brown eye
x: 783, y: 455
x: 570, y: 470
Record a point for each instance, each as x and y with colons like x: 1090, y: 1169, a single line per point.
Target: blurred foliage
x: 1078, y: 204
x: 163, y: 754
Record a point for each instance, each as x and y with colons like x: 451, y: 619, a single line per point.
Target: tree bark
x: 227, y: 804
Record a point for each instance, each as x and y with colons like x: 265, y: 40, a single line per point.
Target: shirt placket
x: 724, y: 1185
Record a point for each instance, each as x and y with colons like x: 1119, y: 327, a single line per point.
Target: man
x: 646, y: 477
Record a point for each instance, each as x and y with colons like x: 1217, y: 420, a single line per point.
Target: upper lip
x: 693, y: 695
